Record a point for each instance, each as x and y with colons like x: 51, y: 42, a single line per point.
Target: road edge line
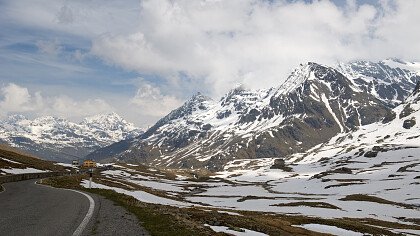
x: 89, y: 214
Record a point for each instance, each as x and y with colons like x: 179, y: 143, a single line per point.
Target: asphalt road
x: 27, y: 208
x: 30, y: 209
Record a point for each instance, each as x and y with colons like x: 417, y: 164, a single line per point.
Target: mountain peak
x: 304, y: 72
x: 15, y: 118
x: 101, y: 118
x: 48, y: 119
x: 237, y: 90
x: 111, y: 121
x: 198, y: 97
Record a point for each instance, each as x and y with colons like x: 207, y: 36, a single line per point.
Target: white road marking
x: 89, y: 214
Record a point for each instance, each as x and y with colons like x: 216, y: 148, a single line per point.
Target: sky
x: 142, y: 59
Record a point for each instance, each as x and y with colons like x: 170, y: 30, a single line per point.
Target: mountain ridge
x: 315, y: 103
x: 58, y: 139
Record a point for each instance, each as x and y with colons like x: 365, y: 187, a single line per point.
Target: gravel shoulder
x: 111, y: 219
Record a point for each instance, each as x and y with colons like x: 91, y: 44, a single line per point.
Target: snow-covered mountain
x: 364, y: 180
x: 314, y: 104
x: 400, y: 132
x: 59, y: 139
x: 390, y: 80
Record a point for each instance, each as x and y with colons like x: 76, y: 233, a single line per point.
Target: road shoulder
x: 111, y: 219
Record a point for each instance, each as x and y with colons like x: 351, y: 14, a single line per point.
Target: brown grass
x: 367, y: 198
x: 308, y: 204
x: 25, y: 159
x: 341, y: 185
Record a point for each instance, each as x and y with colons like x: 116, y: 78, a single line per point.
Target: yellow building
x: 89, y: 164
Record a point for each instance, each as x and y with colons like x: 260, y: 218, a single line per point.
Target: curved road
x: 30, y: 209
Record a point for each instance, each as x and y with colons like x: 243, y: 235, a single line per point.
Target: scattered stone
x: 409, y: 123
x: 371, y: 154
x: 280, y: 164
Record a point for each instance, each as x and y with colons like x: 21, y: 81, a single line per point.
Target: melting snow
x: 329, y: 229
x: 22, y: 171
x: 14, y: 162
x: 139, y: 195
x: 224, y: 229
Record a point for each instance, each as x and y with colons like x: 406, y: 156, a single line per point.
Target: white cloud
x: 65, y: 106
x: 150, y: 102
x: 86, y: 19
x: 65, y: 15
x: 51, y: 48
x: 17, y: 99
x: 79, y: 56
x: 257, y: 43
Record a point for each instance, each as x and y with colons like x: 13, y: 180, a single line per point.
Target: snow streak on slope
x: 402, y: 131
x: 327, y: 104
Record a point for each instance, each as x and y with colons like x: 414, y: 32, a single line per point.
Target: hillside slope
x: 14, y: 161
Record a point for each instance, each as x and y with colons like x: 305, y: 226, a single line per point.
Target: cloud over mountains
x: 180, y: 47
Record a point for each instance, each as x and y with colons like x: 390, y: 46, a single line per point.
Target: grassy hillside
x: 14, y: 158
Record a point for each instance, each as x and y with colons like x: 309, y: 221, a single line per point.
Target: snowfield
x: 330, y: 230
x: 27, y: 170
x: 390, y: 180
x: 246, y: 232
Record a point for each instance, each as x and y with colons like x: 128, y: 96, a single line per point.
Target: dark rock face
x: 341, y: 170
x: 223, y: 114
x: 392, y: 85
x: 371, y: 154
x: 280, y: 164
x: 417, y: 88
x: 110, y: 151
x: 406, y: 111
x: 250, y: 116
x: 389, y: 117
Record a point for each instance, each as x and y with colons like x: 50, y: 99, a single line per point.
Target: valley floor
x: 378, y: 192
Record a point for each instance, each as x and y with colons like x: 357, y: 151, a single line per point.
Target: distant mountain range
x: 314, y: 104
x: 61, y: 140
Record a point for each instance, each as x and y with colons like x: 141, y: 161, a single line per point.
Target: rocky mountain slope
x: 61, y: 140
x: 401, y: 132
x: 314, y: 104
x: 389, y: 80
